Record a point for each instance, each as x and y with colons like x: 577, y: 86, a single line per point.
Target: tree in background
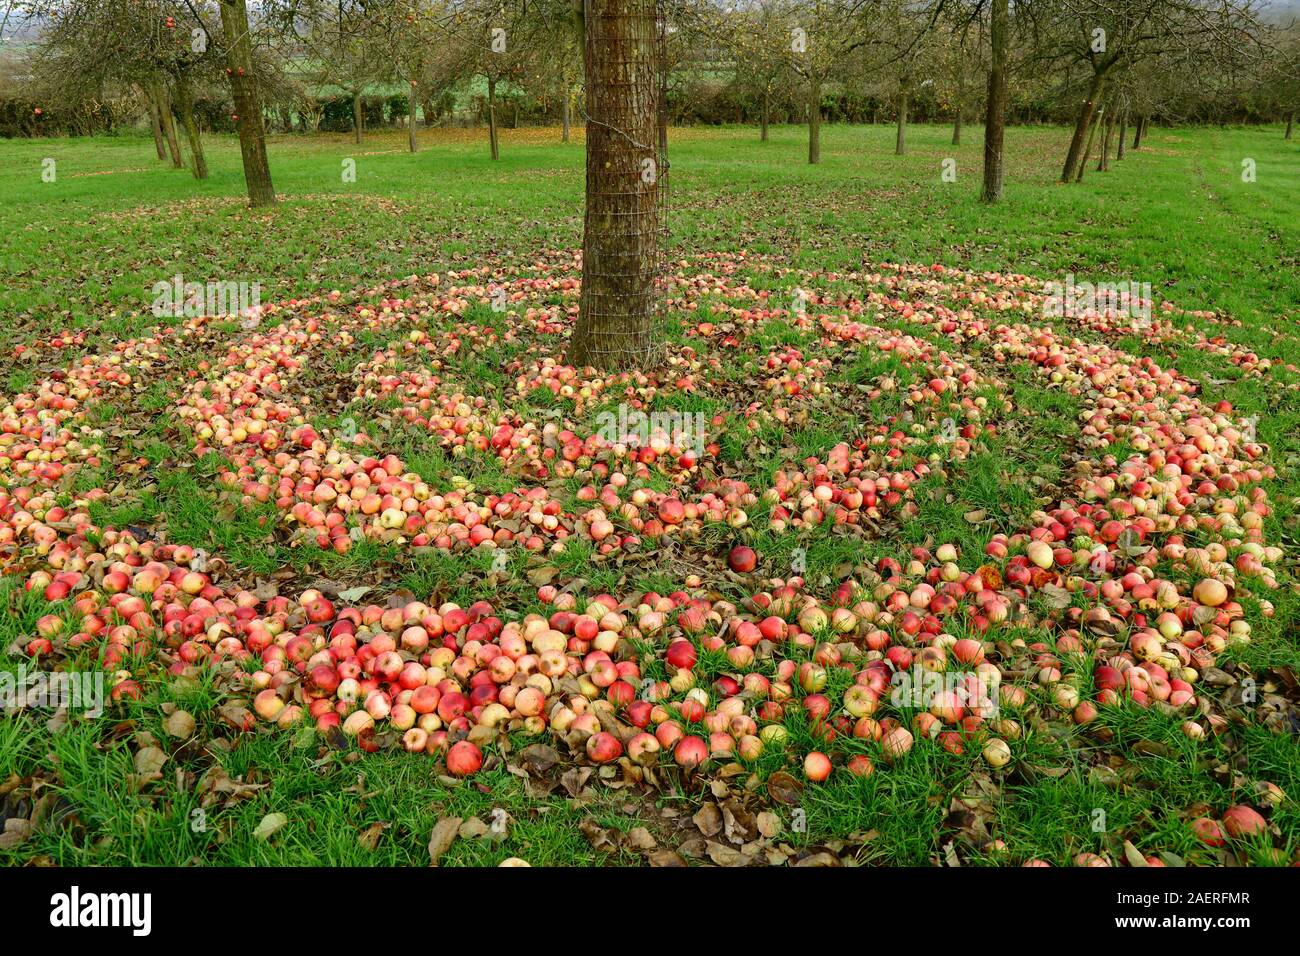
x: 825, y: 33
x: 760, y: 38
x: 995, y: 100
x: 1099, y: 37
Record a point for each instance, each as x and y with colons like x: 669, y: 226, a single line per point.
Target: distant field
x: 1176, y: 215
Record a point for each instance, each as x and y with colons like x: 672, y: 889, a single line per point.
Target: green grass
x: 84, y: 251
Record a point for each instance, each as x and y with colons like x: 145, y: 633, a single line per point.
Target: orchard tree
x: 959, y: 64
x: 901, y: 38
x: 88, y: 46
x: 562, y: 63
x: 760, y: 39
x: 1101, y: 37
x: 417, y: 32
x: 497, y: 42
x: 1278, y: 85
x: 822, y: 37
x: 348, y: 43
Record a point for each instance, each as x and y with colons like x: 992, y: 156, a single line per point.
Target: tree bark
x: 1087, y: 151
x: 815, y: 120
x: 995, y: 117
x: 185, y: 104
x: 1103, y: 161
x: 358, y: 117
x: 492, y: 118
x: 1123, y: 134
x: 413, y: 98
x: 155, y: 121
x: 961, y: 100
x: 763, y: 117
x: 164, y: 101
x: 1083, y: 126
x: 1290, y: 121
x: 620, y: 241
x: 900, y: 138
x: 248, y: 105
x: 568, y: 94
x: 1139, y: 128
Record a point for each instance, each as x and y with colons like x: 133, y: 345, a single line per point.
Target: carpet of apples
x: 1128, y: 611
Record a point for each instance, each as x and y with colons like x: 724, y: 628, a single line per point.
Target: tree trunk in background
x: 248, y: 105
x: 763, y: 119
x: 564, y: 134
x: 1087, y: 151
x: 164, y: 101
x: 358, y: 117
x: 1123, y: 134
x: 815, y: 121
x: 155, y: 121
x: 620, y: 240
x: 1083, y: 127
x: 1103, y: 161
x: 1139, y: 128
x: 493, y: 146
x: 185, y: 104
x: 410, y: 118
x: 900, y: 138
x: 995, y: 117
x: 1290, y: 121
x: 961, y: 101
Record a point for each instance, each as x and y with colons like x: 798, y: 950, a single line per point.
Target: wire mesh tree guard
x: 620, y: 317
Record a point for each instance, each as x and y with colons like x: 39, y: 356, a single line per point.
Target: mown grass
x: 86, y: 249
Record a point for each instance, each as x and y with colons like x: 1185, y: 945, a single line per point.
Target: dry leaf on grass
x: 369, y: 837
x: 443, y: 836
x: 179, y: 724
x: 271, y: 824
x: 708, y: 819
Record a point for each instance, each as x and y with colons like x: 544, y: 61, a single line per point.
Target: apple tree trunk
x: 815, y: 120
x: 155, y: 120
x: 1083, y: 127
x: 620, y: 241
x: 995, y: 117
x: 185, y: 104
x: 164, y: 101
x: 900, y: 137
x: 410, y: 118
x: 248, y: 104
x: 493, y: 144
